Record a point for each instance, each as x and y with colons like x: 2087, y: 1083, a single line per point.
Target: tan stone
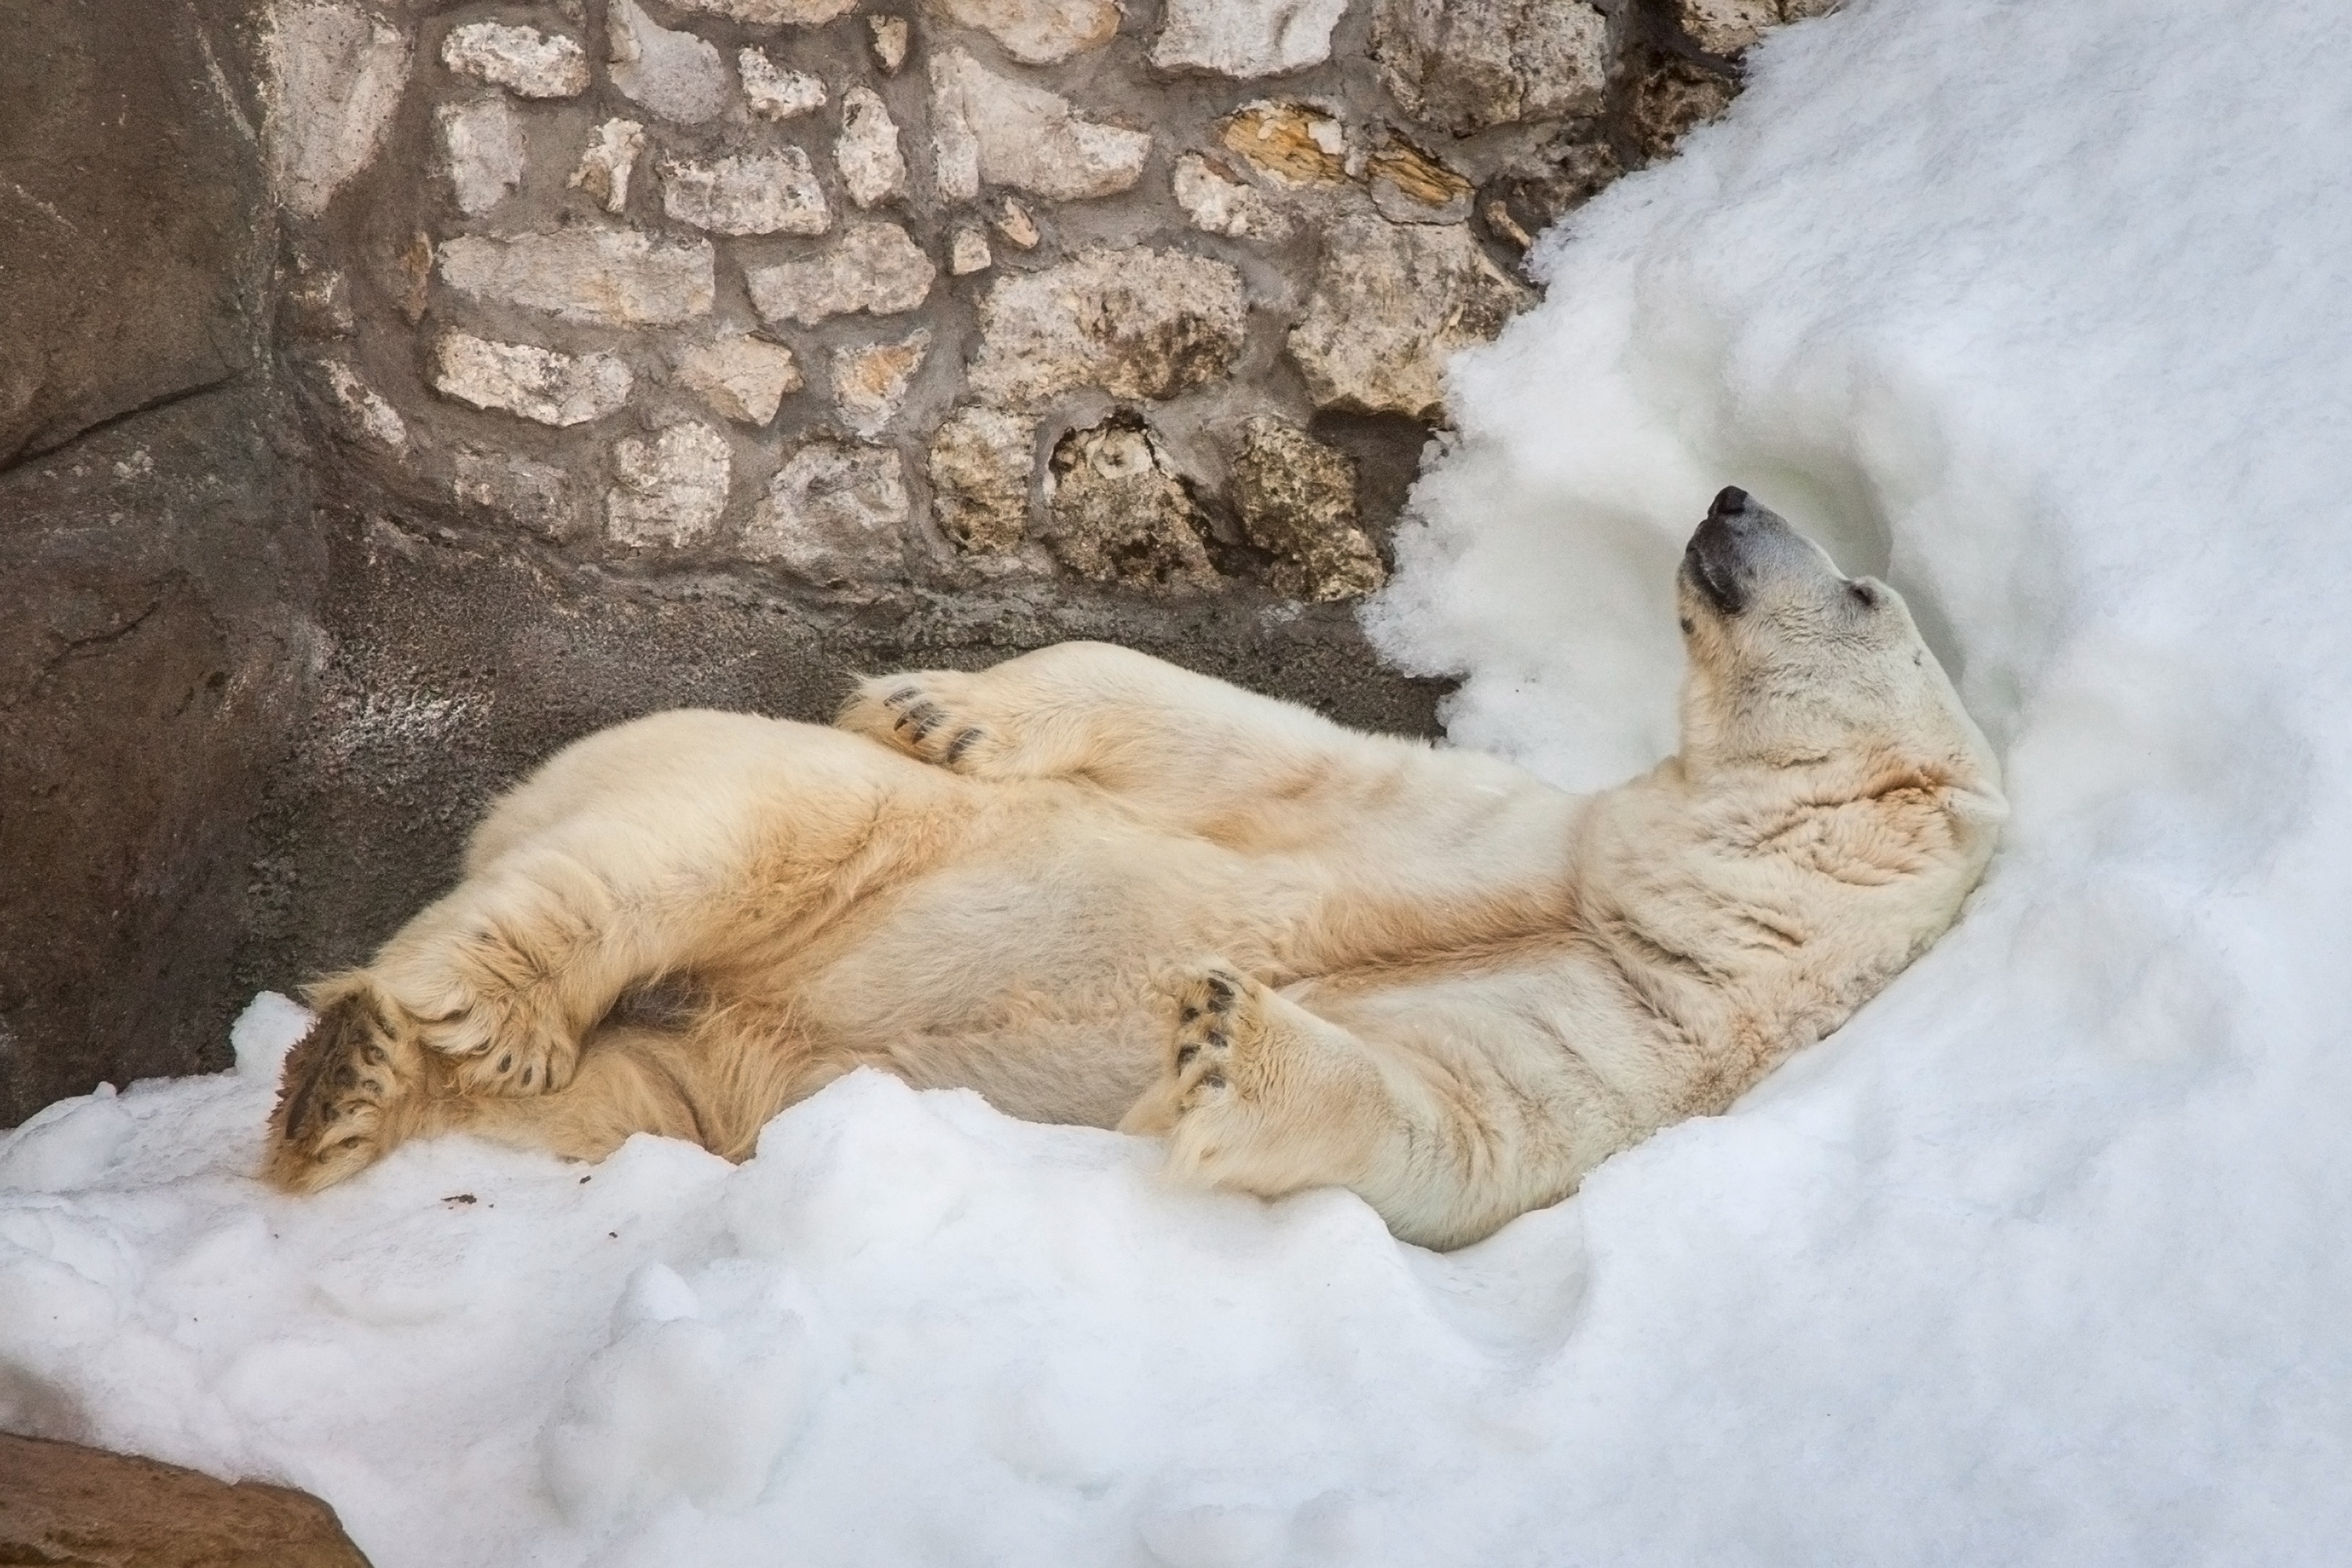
x: 1219, y: 203
x: 482, y: 152
x: 333, y: 80
x: 1297, y: 497
x: 1668, y: 100
x: 774, y: 13
x: 82, y: 1508
x: 611, y: 160
x: 874, y: 268
x: 1138, y: 323
x: 1035, y: 32
x: 1392, y: 303
x: 980, y: 463
x: 1469, y: 65
x: 872, y: 167
x: 750, y: 192
x: 365, y: 408
x: 533, y: 383
x: 1408, y: 186
x: 1014, y: 223
x: 743, y: 379
x: 669, y: 490
x: 1116, y: 511
x: 1296, y: 144
x: 1726, y: 27
x: 985, y: 127
x: 524, y: 60
x: 608, y: 277
x: 835, y: 516
x: 968, y: 252
x: 1246, y: 37
x: 870, y: 381
x: 677, y: 75
x: 777, y: 92
x: 890, y: 37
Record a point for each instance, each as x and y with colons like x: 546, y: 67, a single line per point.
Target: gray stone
x: 1392, y: 303
x: 750, y: 192
x: 524, y: 60
x: 1037, y: 32
x: 980, y: 463
x: 1116, y: 511
x: 607, y: 277
x: 872, y: 167
x: 540, y: 496
x: 1138, y: 323
x: 1469, y: 65
x: 1219, y: 202
x: 890, y: 35
x: 835, y: 516
x: 610, y: 161
x: 774, y: 13
x: 777, y: 92
x: 335, y: 77
x: 1296, y: 145
x: 1246, y: 37
x: 870, y: 381
x: 968, y: 252
x: 365, y: 408
x: 985, y: 127
x: 1297, y: 497
x: 482, y: 152
x: 677, y: 75
x: 535, y: 384
x: 670, y: 491
x: 744, y: 379
x: 874, y: 268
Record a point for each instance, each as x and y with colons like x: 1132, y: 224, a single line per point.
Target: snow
x: 2038, y: 311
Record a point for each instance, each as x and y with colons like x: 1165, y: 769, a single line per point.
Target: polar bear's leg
x: 1189, y: 745
x: 1262, y: 1095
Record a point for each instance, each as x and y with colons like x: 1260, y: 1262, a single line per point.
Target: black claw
x: 1187, y: 1054
x: 526, y: 1076
x: 1217, y: 1039
x: 1212, y: 1081
x: 506, y: 1061
x: 1187, y: 1014
x: 1221, y: 988
x: 961, y: 745
x: 901, y: 697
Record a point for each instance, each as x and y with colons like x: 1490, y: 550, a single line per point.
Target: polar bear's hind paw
x: 336, y: 1096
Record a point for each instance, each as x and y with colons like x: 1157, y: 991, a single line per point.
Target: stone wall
x: 392, y: 391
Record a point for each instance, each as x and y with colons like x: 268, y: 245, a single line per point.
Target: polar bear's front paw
x: 482, y: 1000
x: 1208, y: 1098
x: 926, y: 715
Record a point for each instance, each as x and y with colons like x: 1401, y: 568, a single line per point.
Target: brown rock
x: 1671, y: 97
x: 980, y: 461
x: 1296, y: 144
x: 1297, y: 501
x: 1138, y: 323
x: 1392, y: 303
x: 870, y: 381
x: 1469, y: 65
x: 83, y: 1508
x: 1116, y: 511
x: 1411, y: 186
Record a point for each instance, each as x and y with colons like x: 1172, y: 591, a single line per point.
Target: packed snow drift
x: 2041, y: 313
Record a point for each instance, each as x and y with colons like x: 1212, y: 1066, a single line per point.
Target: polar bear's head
x: 1794, y: 664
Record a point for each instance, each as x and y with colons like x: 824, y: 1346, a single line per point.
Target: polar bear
x: 1099, y: 889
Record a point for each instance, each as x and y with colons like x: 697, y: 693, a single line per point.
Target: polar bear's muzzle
x: 1739, y: 545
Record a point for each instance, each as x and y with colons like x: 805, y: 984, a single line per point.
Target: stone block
x: 1117, y: 512
x: 540, y: 496
x: 750, y: 192
x: 524, y: 60
x: 874, y: 269
x: 989, y: 128
x: 1296, y: 143
x: 1246, y: 37
x: 835, y: 516
x: 364, y: 409
x: 482, y: 152
x: 1219, y: 202
x: 83, y: 1508
x: 1469, y: 65
x: 533, y: 383
x: 1037, y: 32
x: 774, y: 13
x: 981, y: 459
x: 1408, y: 186
x: 870, y: 381
x: 743, y: 379
x: 610, y: 162
x: 605, y: 276
x: 872, y: 167
x: 968, y: 251
x: 1135, y: 322
x: 1297, y: 497
x: 335, y: 75
x: 777, y: 92
x: 889, y: 36
x: 676, y: 74
x: 1726, y: 26
x: 1391, y: 302
x: 671, y: 490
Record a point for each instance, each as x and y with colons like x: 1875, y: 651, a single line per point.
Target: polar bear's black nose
x: 1730, y: 499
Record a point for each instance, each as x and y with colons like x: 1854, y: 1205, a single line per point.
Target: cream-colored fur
x: 1099, y: 889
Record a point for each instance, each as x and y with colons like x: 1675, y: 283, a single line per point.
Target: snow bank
x: 2040, y: 311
